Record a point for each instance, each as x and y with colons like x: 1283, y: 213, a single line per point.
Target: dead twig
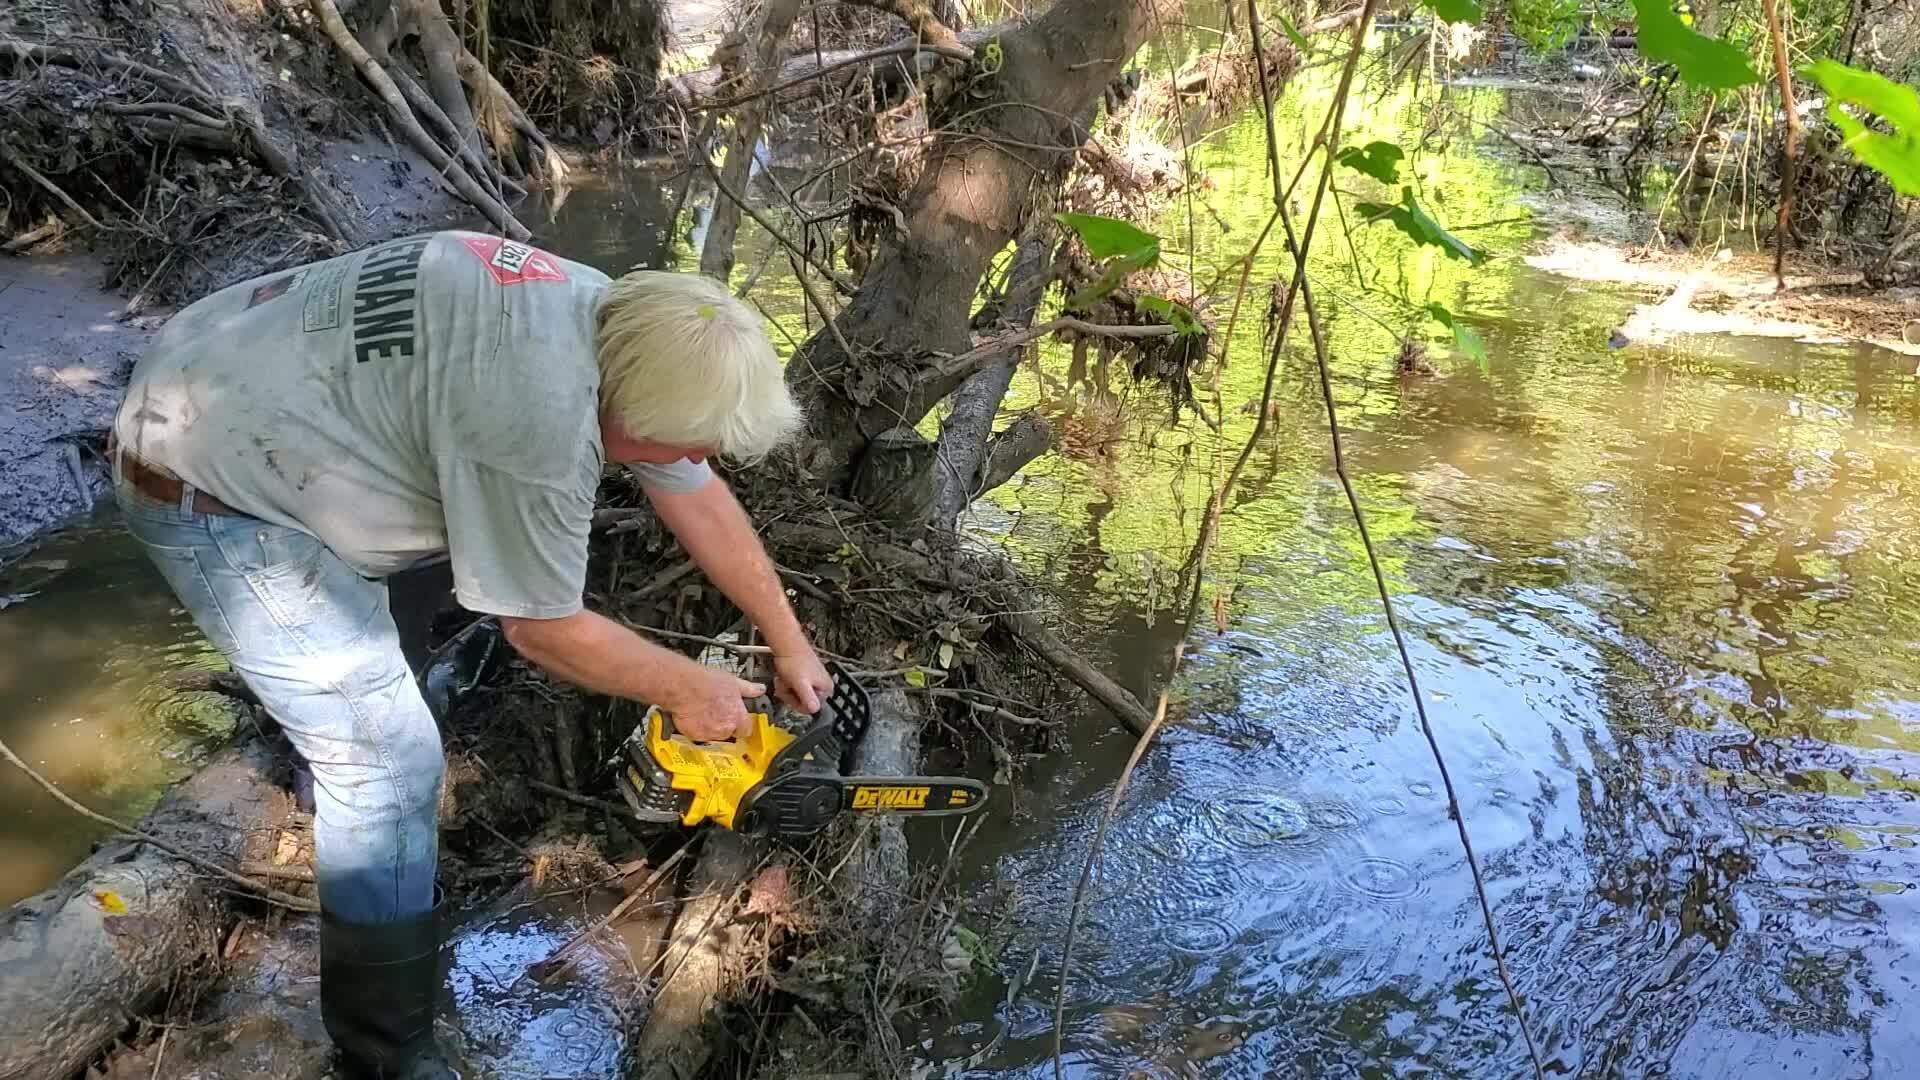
x: 589, y: 801
x: 53, y: 189
x: 160, y: 1055
x: 272, y: 872
x: 981, y: 706
x: 403, y: 115
x: 271, y: 894
x: 32, y: 236
x: 503, y: 837
x: 733, y: 647
x: 780, y: 237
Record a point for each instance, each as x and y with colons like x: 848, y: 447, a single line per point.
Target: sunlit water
x: 1661, y: 606
x: 1660, y: 602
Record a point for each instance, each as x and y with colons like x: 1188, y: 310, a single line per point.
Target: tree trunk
x: 965, y: 433
x: 976, y: 193
x: 716, y: 255
x: 1789, y: 147
x: 72, y: 975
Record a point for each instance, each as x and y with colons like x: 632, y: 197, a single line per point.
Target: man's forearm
x: 719, y: 538
x: 595, y: 653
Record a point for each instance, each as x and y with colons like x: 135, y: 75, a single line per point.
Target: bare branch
x: 1010, y: 448
x: 716, y: 255
x: 824, y: 69
x: 967, y: 361
x: 774, y: 231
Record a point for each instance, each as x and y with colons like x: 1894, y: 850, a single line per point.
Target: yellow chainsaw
x: 776, y: 782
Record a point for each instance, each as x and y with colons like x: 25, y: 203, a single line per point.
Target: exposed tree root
x: 405, y: 118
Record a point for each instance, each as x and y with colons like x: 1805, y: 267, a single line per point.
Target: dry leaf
x: 109, y: 901
x: 946, y: 654
x: 1220, y: 612
x: 900, y: 651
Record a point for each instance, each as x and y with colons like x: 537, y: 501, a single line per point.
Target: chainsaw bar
x: 806, y: 801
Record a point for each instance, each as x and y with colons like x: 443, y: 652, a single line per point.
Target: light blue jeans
x: 316, y: 642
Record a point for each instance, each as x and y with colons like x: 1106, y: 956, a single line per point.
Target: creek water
x: 1661, y: 605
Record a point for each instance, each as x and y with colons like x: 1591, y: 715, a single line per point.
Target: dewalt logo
x: 890, y: 798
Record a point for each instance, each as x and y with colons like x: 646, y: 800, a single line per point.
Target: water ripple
x: 1380, y: 878
x: 1201, y: 935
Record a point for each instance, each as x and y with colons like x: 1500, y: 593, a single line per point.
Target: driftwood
x: 73, y: 970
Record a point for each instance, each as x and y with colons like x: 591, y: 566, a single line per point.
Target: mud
x: 64, y: 361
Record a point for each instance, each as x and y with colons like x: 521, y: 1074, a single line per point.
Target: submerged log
x: 80, y: 960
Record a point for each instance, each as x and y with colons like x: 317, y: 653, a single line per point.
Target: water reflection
x: 1662, y: 605
x: 79, y: 658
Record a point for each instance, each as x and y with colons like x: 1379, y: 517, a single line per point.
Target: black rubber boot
x: 378, y: 986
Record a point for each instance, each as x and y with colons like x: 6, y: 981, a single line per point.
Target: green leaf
x: 1178, y: 315
x: 1699, y: 59
x: 1895, y: 156
x: 916, y: 678
x: 1127, y: 247
x: 1409, y: 218
x: 1466, y: 11
x: 1107, y: 237
x: 1464, y: 338
x: 1380, y: 160
x: 1293, y: 35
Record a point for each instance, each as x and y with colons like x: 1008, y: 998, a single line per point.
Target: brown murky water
x: 1661, y: 601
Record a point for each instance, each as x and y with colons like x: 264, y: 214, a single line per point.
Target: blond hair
x: 682, y: 362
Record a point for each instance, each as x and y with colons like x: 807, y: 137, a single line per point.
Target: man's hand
x: 801, y: 680
x: 709, y: 704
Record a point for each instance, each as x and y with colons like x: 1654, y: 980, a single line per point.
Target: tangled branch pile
x: 208, y: 142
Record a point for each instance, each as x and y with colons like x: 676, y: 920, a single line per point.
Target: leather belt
x: 160, y: 485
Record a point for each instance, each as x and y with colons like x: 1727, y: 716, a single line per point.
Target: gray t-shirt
x: 433, y: 395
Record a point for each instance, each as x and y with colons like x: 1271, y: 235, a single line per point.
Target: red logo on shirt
x: 511, y: 263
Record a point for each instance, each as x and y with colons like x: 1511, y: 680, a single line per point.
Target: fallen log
x: 82, y: 958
